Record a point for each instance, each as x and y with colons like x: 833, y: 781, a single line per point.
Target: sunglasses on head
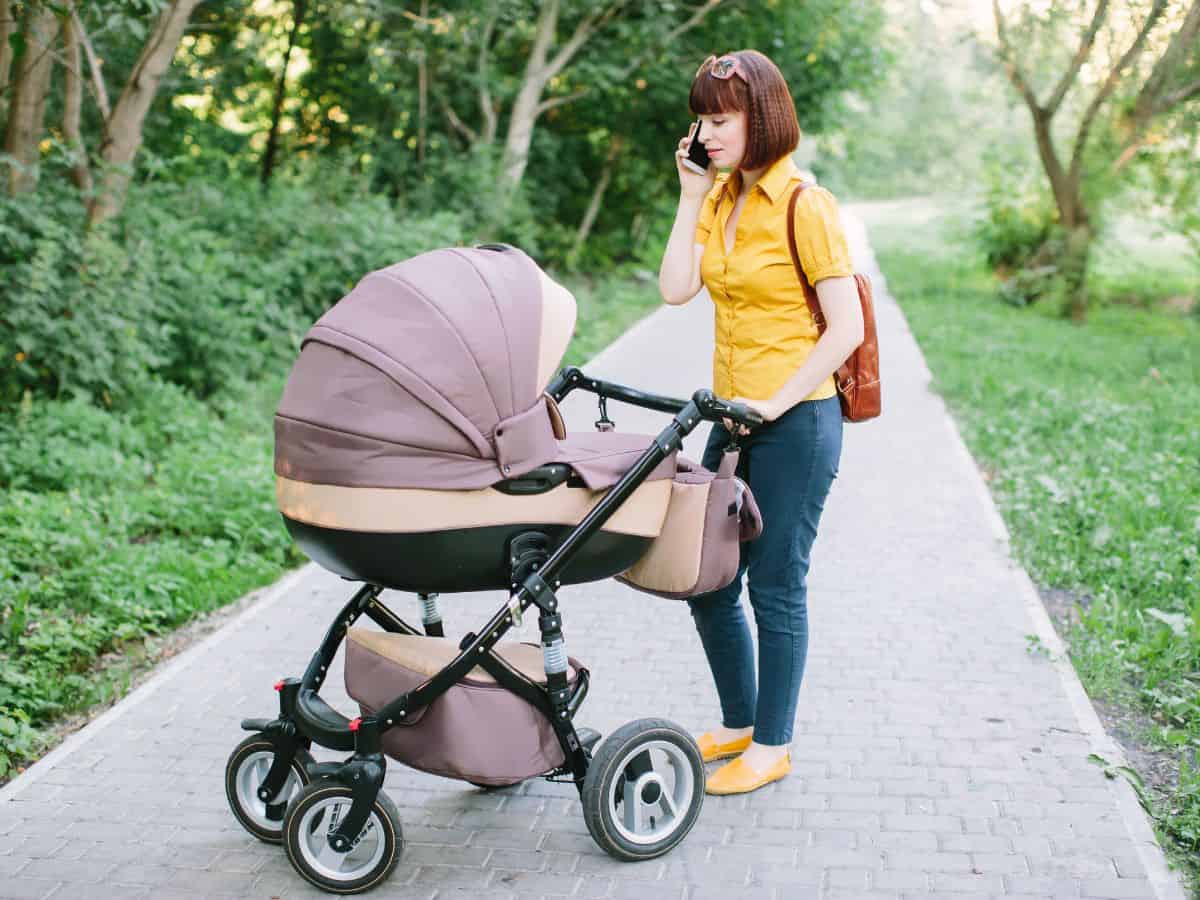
x: 724, y: 67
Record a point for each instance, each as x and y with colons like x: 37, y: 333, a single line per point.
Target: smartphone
x: 697, y: 158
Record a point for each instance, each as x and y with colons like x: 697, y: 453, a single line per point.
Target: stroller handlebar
x: 708, y: 405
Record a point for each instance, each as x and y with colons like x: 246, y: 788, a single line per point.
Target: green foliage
x: 119, y: 524
x: 1089, y: 438
x: 196, y: 286
x: 1018, y: 217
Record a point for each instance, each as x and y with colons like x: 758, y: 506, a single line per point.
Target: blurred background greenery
x: 188, y: 185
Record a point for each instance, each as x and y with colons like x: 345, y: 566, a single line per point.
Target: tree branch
x: 1010, y: 66
x: 486, y: 107
x: 1085, y: 48
x: 1185, y: 93
x: 583, y: 31
x: 1110, y: 85
x: 98, y: 89
x: 458, y: 124
x: 1146, y: 106
x: 559, y: 101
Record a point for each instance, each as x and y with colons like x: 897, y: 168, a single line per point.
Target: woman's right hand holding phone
x: 693, y: 184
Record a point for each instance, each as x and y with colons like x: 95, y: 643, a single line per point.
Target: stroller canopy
x: 430, y: 373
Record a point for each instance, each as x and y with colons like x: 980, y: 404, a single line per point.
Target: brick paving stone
x: 933, y: 755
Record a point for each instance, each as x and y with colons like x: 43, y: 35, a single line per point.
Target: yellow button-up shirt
x: 764, y: 330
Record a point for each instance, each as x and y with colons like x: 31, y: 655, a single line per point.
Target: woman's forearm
x: 843, y: 333
x: 678, y: 266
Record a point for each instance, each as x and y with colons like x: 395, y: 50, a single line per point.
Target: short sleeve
x: 707, y: 212
x: 820, y: 240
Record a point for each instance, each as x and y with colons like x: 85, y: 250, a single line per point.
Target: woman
x: 730, y: 235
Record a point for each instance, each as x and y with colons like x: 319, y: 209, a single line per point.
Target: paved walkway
x: 933, y: 754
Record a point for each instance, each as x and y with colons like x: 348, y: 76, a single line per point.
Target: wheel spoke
x: 667, y: 804
x: 633, y: 809
x: 326, y: 855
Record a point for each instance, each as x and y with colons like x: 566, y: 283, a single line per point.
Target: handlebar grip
x: 743, y: 414
x: 714, y: 409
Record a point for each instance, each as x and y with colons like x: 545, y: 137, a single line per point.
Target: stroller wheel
x: 315, y: 813
x: 643, y: 790
x: 245, y: 771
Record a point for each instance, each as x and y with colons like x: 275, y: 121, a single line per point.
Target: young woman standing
x: 730, y: 235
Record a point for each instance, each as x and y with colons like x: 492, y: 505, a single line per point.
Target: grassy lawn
x: 1090, y: 440
x: 119, y: 526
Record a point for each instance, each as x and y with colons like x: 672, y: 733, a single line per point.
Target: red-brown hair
x: 772, y: 130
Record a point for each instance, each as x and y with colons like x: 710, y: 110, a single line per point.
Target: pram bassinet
x: 419, y: 447
x: 414, y: 438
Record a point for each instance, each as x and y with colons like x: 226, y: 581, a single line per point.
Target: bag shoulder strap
x: 810, y: 293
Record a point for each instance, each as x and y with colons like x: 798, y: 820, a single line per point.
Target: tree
x: 123, y: 129
x: 30, y: 85
x: 1151, y: 69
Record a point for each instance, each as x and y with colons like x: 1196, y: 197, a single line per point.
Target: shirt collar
x: 773, y: 182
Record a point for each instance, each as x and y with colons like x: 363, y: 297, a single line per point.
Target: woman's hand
x: 765, y: 408
x: 691, y: 183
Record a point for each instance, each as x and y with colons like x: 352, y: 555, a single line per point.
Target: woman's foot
x: 722, y: 742
x: 759, y: 765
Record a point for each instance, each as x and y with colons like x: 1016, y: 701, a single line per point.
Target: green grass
x: 1090, y: 440
x: 115, y: 526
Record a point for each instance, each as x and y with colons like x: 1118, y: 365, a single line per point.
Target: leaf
x: 1177, y: 622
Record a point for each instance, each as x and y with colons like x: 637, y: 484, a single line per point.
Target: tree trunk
x: 123, y: 131
x: 1073, y: 267
x: 7, y: 27
x: 73, y: 105
x: 593, y: 210
x: 26, y: 113
x: 422, y: 91
x: 268, y: 163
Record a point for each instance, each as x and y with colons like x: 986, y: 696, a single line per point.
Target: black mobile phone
x: 697, y: 158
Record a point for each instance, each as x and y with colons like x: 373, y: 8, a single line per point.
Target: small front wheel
x: 643, y: 790
x: 315, y: 814
x: 245, y: 772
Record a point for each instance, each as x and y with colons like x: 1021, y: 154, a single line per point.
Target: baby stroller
x: 419, y: 447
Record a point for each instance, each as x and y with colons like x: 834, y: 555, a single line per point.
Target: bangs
x: 710, y: 96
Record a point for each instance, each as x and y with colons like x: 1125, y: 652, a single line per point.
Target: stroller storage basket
x: 477, y: 731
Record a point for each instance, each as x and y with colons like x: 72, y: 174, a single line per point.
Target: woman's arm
x: 843, y: 333
x: 679, y: 275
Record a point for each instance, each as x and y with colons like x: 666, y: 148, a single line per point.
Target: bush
x: 1018, y: 218
x: 198, y: 284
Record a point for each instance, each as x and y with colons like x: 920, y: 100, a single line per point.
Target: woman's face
x: 724, y: 137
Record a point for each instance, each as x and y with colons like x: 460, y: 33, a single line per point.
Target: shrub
x: 197, y: 284
x: 1018, y: 218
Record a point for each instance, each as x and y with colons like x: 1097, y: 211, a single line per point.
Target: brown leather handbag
x: 857, y: 378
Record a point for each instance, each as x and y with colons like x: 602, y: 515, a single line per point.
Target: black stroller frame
x: 304, y: 718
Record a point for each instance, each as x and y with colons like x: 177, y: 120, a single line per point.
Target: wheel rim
x: 250, y: 776
x: 322, y: 819
x: 650, y: 807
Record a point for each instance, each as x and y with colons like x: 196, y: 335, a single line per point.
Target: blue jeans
x: 790, y: 464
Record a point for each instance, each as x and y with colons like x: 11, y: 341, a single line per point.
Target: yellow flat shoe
x: 711, y: 750
x: 739, y: 778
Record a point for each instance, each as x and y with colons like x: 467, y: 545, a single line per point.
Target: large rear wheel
x: 644, y: 789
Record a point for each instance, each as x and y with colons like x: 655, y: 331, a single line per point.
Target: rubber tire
x: 253, y: 744
x: 602, y: 778
x: 384, y: 809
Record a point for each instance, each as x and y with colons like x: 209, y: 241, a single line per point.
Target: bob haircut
x: 771, y: 125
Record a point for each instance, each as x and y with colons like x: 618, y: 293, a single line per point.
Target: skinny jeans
x: 790, y: 465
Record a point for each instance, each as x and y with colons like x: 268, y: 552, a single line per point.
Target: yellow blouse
x: 763, y: 328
